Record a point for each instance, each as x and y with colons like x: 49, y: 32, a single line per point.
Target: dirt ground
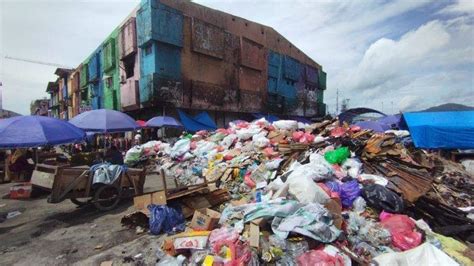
x: 63, y: 234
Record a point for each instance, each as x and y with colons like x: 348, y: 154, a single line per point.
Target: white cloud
x: 460, y: 6
x: 386, y: 58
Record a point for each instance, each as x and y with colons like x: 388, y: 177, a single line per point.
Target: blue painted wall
x: 160, y: 38
x: 283, y: 72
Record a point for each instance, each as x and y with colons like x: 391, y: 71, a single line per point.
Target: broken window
x: 129, y: 65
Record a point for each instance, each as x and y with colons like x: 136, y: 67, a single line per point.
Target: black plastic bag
x: 381, y: 198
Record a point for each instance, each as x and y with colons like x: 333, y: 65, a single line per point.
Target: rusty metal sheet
x: 252, y: 55
x: 128, y: 38
x: 207, y: 39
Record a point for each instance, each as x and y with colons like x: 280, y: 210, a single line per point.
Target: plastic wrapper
x: 167, y: 219
x: 401, y: 228
x: 381, y: 198
x: 322, y: 257
x: 337, y: 156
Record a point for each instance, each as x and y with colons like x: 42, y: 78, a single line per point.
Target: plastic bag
x: 379, y: 197
x: 180, y: 147
x: 303, y: 188
x: 133, y: 155
x: 228, y: 140
x: 425, y: 254
x: 401, y: 228
x: 337, y: 156
x: 359, y: 204
x: 349, y: 192
x: 167, y: 219
x: 286, y: 124
x: 352, y: 167
x: 373, y: 178
x: 260, y: 140
x: 246, y: 133
x: 319, y: 257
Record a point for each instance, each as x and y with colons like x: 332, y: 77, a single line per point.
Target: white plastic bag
x: 260, y: 140
x: 303, y: 188
x: 352, y: 167
x: 180, y: 147
x: 133, y: 155
x: 375, y: 178
x: 246, y: 133
x: 203, y: 147
x: 228, y: 140
x: 425, y: 254
x: 286, y: 124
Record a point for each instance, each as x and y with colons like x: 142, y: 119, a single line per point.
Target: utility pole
x: 1, y: 99
x: 382, y: 106
x: 337, y: 101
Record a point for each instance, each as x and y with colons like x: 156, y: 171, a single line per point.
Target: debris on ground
x: 288, y: 193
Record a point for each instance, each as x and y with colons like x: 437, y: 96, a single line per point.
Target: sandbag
x: 286, y: 124
x: 381, y: 198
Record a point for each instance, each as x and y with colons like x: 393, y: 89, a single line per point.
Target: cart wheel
x: 78, y: 202
x: 106, y: 198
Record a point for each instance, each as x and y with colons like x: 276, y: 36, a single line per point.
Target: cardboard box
x: 141, y: 202
x: 205, y: 219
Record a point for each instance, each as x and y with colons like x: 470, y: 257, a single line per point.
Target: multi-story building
x: 171, y: 54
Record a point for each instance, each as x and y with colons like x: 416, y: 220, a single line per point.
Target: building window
x: 129, y: 65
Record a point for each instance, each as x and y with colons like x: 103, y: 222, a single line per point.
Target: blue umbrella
x: 36, y: 131
x: 104, y: 121
x: 163, y: 121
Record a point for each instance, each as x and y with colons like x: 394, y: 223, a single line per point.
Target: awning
x: 202, y: 121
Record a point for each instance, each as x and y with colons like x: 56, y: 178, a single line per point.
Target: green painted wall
x: 110, y: 68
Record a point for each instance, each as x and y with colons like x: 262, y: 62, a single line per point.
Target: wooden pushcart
x: 75, y: 183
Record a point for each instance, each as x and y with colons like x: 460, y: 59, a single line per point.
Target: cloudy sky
x: 388, y: 55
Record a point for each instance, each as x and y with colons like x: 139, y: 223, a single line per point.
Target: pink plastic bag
x: 319, y: 258
x: 248, y: 181
x: 401, y: 228
x: 297, y: 135
x: 338, y: 132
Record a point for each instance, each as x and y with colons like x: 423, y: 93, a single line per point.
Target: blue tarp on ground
x: 202, y: 121
x: 441, y: 130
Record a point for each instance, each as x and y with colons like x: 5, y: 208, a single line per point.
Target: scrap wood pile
x: 298, y: 194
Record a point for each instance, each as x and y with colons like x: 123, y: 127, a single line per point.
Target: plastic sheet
x: 352, y: 167
x: 165, y: 218
x: 320, y: 258
x: 382, y: 198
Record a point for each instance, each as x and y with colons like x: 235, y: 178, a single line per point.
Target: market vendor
x: 21, y: 162
x: 114, y: 156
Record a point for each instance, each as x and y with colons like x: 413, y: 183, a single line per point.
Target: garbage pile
x: 320, y: 194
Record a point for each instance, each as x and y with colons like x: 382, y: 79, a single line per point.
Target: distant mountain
x: 449, y: 107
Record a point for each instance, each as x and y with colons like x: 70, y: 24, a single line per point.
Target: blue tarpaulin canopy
x: 36, y: 131
x: 441, y: 130
x: 202, y: 121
